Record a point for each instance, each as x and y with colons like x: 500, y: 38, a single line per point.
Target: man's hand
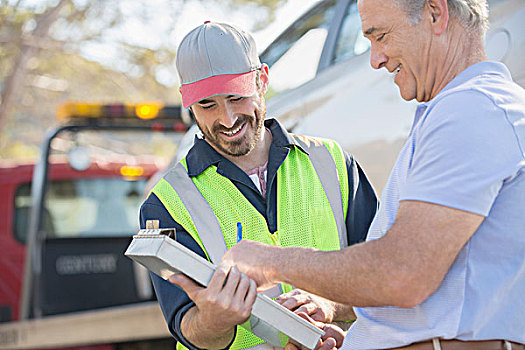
x: 225, y: 303
x: 255, y: 260
x: 331, y: 340
x: 318, y: 308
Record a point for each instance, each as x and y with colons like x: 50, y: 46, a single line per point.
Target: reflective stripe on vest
x: 202, y: 215
x: 326, y: 169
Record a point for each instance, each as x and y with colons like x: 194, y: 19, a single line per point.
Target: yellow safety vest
x: 312, y: 201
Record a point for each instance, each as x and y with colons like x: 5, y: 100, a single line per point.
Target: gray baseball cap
x: 214, y: 59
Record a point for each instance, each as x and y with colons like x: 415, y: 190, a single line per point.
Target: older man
x: 444, y: 262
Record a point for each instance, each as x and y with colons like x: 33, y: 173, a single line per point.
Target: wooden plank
x: 106, y: 326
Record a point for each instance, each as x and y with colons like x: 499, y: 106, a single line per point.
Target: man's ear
x: 438, y: 12
x: 265, y: 78
x: 190, y: 112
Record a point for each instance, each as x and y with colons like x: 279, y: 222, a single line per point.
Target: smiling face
x: 231, y: 124
x: 403, y: 49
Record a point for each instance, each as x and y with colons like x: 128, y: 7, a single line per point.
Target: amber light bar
x: 144, y: 111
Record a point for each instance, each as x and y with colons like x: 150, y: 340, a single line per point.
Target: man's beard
x: 243, y: 145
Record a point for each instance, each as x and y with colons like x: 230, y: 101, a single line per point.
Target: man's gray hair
x: 472, y: 14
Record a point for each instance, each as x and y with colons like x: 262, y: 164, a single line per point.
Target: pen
x: 239, y: 232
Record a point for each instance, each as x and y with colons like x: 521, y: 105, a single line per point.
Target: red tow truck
x: 64, y: 225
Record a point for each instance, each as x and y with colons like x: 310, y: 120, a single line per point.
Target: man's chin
x: 238, y: 153
x: 236, y: 150
x: 405, y: 95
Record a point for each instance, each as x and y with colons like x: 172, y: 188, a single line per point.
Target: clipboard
x: 157, y: 250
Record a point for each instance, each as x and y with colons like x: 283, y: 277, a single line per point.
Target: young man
x: 246, y: 178
x: 443, y: 266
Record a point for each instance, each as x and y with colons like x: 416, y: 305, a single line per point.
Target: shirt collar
x: 201, y: 156
x: 481, y: 68
x: 485, y: 67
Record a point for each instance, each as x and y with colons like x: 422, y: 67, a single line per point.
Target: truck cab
x: 88, y: 217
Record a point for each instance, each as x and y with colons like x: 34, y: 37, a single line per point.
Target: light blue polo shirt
x: 466, y: 150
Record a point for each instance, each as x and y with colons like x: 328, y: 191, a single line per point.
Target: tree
x: 42, y: 62
x: 28, y: 34
x: 43, y: 49
x: 27, y: 47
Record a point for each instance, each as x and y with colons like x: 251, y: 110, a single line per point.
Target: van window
x: 83, y: 208
x: 294, y: 57
x: 350, y: 41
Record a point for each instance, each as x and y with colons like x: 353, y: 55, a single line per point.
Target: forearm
x: 359, y: 282
x: 201, y: 336
x: 402, y: 268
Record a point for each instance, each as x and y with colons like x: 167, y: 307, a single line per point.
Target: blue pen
x: 239, y: 232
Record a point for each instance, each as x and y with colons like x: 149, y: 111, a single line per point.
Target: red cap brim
x: 227, y: 84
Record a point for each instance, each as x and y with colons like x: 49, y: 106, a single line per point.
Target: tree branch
x: 13, y: 83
